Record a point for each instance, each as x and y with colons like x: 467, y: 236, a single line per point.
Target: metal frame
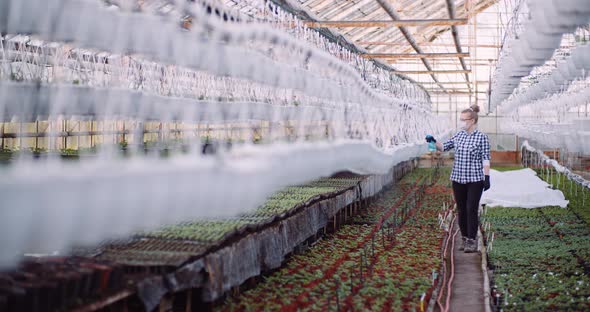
x: 401, y: 33
x: 414, y: 56
x: 397, y: 23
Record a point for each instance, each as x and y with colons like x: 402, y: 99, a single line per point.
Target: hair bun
x: 475, y: 108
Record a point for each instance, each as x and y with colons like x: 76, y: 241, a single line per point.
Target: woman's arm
x: 486, y: 155
x: 443, y: 147
x: 439, y: 146
x: 448, y: 145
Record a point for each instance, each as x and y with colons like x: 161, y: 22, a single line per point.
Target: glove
x: 486, y: 183
x: 430, y: 138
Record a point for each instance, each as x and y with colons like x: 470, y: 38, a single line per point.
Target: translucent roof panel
x: 372, y: 38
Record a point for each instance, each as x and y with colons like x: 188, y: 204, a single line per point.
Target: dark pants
x: 467, y: 197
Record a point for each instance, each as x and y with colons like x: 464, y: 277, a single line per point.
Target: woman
x: 470, y: 175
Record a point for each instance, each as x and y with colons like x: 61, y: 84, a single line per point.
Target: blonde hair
x: 473, y: 110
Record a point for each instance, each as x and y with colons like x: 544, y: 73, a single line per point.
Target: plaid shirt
x: 470, y: 152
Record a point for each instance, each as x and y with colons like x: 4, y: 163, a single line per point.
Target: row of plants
x: 539, y: 258
x: 382, y: 261
x: 290, y: 197
x: 437, y: 176
x: 440, y: 177
x: 403, y: 273
x: 164, y: 148
x: 375, y: 211
x: 578, y: 196
x: 202, y: 230
x: 276, y: 205
x: 6, y: 155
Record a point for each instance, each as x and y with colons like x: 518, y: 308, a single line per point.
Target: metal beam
x: 432, y: 72
x: 398, y: 62
x: 413, y: 55
x: 450, y: 89
x: 480, y: 60
x: 456, y: 92
x: 480, y: 7
x: 455, y: 33
x: 431, y: 33
x: 386, y: 5
x: 334, y: 36
x: 395, y: 23
x: 394, y: 35
x: 427, y: 44
x: 452, y: 82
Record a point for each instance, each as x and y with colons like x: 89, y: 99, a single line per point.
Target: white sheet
x: 521, y: 188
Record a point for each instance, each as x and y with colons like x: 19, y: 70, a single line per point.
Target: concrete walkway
x: 467, y: 294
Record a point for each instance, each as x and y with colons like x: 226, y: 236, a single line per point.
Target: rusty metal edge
x: 101, y: 303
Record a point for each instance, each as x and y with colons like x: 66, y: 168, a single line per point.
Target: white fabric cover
x: 521, y: 188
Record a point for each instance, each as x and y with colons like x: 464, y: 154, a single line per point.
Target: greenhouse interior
x: 294, y: 155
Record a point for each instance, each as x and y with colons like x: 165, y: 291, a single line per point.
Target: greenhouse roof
x: 419, y: 14
x: 438, y: 43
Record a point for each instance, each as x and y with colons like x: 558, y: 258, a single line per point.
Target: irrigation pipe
x: 484, y: 270
x: 448, y: 301
x: 444, y: 255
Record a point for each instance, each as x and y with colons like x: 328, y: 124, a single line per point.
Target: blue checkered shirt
x: 470, y: 152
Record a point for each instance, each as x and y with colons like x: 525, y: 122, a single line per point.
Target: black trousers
x: 467, y: 197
